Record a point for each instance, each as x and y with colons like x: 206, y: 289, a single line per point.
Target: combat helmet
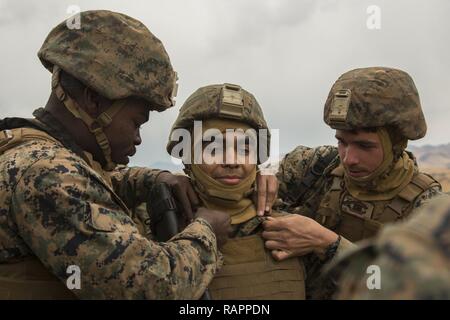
x: 376, y: 97
x: 116, y: 56
x: 223, y: 101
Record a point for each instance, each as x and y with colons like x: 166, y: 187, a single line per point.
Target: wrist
x: 327, y: 239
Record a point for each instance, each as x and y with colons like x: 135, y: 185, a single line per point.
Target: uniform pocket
x: 101, y: 219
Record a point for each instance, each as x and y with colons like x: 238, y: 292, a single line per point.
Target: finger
x: 193, y: 198
x: 272, y: 191
x: 272, y: 235
x: 262, y: 188
x: 280, y: 255
x: 272, y: 224
x: 274, y: 245
x: 183, y: 199
x: 222, y: 239
x: 230, y: 231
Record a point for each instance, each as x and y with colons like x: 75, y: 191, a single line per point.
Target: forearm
x: 122, y: 264
x: 134, y: 184
x: 182, y: 268
x: 74, y: 221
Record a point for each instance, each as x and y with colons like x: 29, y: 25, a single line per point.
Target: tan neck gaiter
x: 236, y: 200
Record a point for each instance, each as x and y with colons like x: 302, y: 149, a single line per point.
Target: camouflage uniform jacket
x: 293, y: 169
x: 302, y: 192
x: 407, y: 260
x: 57, y: 204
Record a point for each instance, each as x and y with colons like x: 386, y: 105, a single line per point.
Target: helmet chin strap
x: 95, y: 126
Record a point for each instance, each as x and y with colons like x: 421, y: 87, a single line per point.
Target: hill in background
x: 435, y: 160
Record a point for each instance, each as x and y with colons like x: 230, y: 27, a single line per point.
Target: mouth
x: 229, y: 180
x: 132, y: 153
x: 357, y: 173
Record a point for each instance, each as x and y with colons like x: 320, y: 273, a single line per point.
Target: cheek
x: 209, y: 169
x: 120, y: 134
x: 341, y: 151
x: 373, y: 159
x: 248, y: 168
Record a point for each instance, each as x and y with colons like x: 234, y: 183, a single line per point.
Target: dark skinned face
x: 234, y: 171
x: 124, y: 131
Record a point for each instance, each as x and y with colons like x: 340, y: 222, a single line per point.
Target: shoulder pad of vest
x: 419, y: 184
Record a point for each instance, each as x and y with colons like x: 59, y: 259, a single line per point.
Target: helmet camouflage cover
x: 115, y: 55
x: 376, y: 97
x: 226, y: 101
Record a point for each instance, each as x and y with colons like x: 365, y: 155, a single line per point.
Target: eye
x: 246, y: 149
x: 366, y: 146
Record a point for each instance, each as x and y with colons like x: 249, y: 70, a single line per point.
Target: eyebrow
x: 364, y: 141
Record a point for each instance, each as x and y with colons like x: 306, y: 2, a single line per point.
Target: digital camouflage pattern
x: 59, y: 206
x: 208, y: 103
x: 293, y: 170
x: 115, y: 55
x: 413, y: 257
x: 378, y: 97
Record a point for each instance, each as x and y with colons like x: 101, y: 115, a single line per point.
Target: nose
x: 350, y: 157
x: 137, y: 138
x: 230, y: 158
x: 230, y: 165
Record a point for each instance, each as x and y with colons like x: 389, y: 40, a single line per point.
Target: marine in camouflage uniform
x: 314, y: 182
x: 249, y: 271
x: 59, y: 207
x: 413, y: 258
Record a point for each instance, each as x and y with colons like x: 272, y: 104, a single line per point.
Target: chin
x: 124, y: 160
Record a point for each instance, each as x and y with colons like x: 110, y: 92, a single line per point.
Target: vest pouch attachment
x: 250, y: 272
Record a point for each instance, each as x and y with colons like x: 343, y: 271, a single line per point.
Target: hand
x: 295, y: 235
x: 267, y: 187
x: 183, y: 193
x: 220, y: 222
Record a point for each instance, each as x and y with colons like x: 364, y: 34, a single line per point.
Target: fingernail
x: 267, y: 209
x: 260, y: 213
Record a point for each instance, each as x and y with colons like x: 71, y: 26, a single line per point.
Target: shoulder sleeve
x: 296, y: 164
x: 292, y: 168
x: 428, y: 194
x: 68, y: 218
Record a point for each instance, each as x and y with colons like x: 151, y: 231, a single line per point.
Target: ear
x: 94, y: 102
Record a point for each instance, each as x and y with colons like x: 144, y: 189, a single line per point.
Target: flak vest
x: 29, y: 278
x: 355, y: 219
x: 250, y: 273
